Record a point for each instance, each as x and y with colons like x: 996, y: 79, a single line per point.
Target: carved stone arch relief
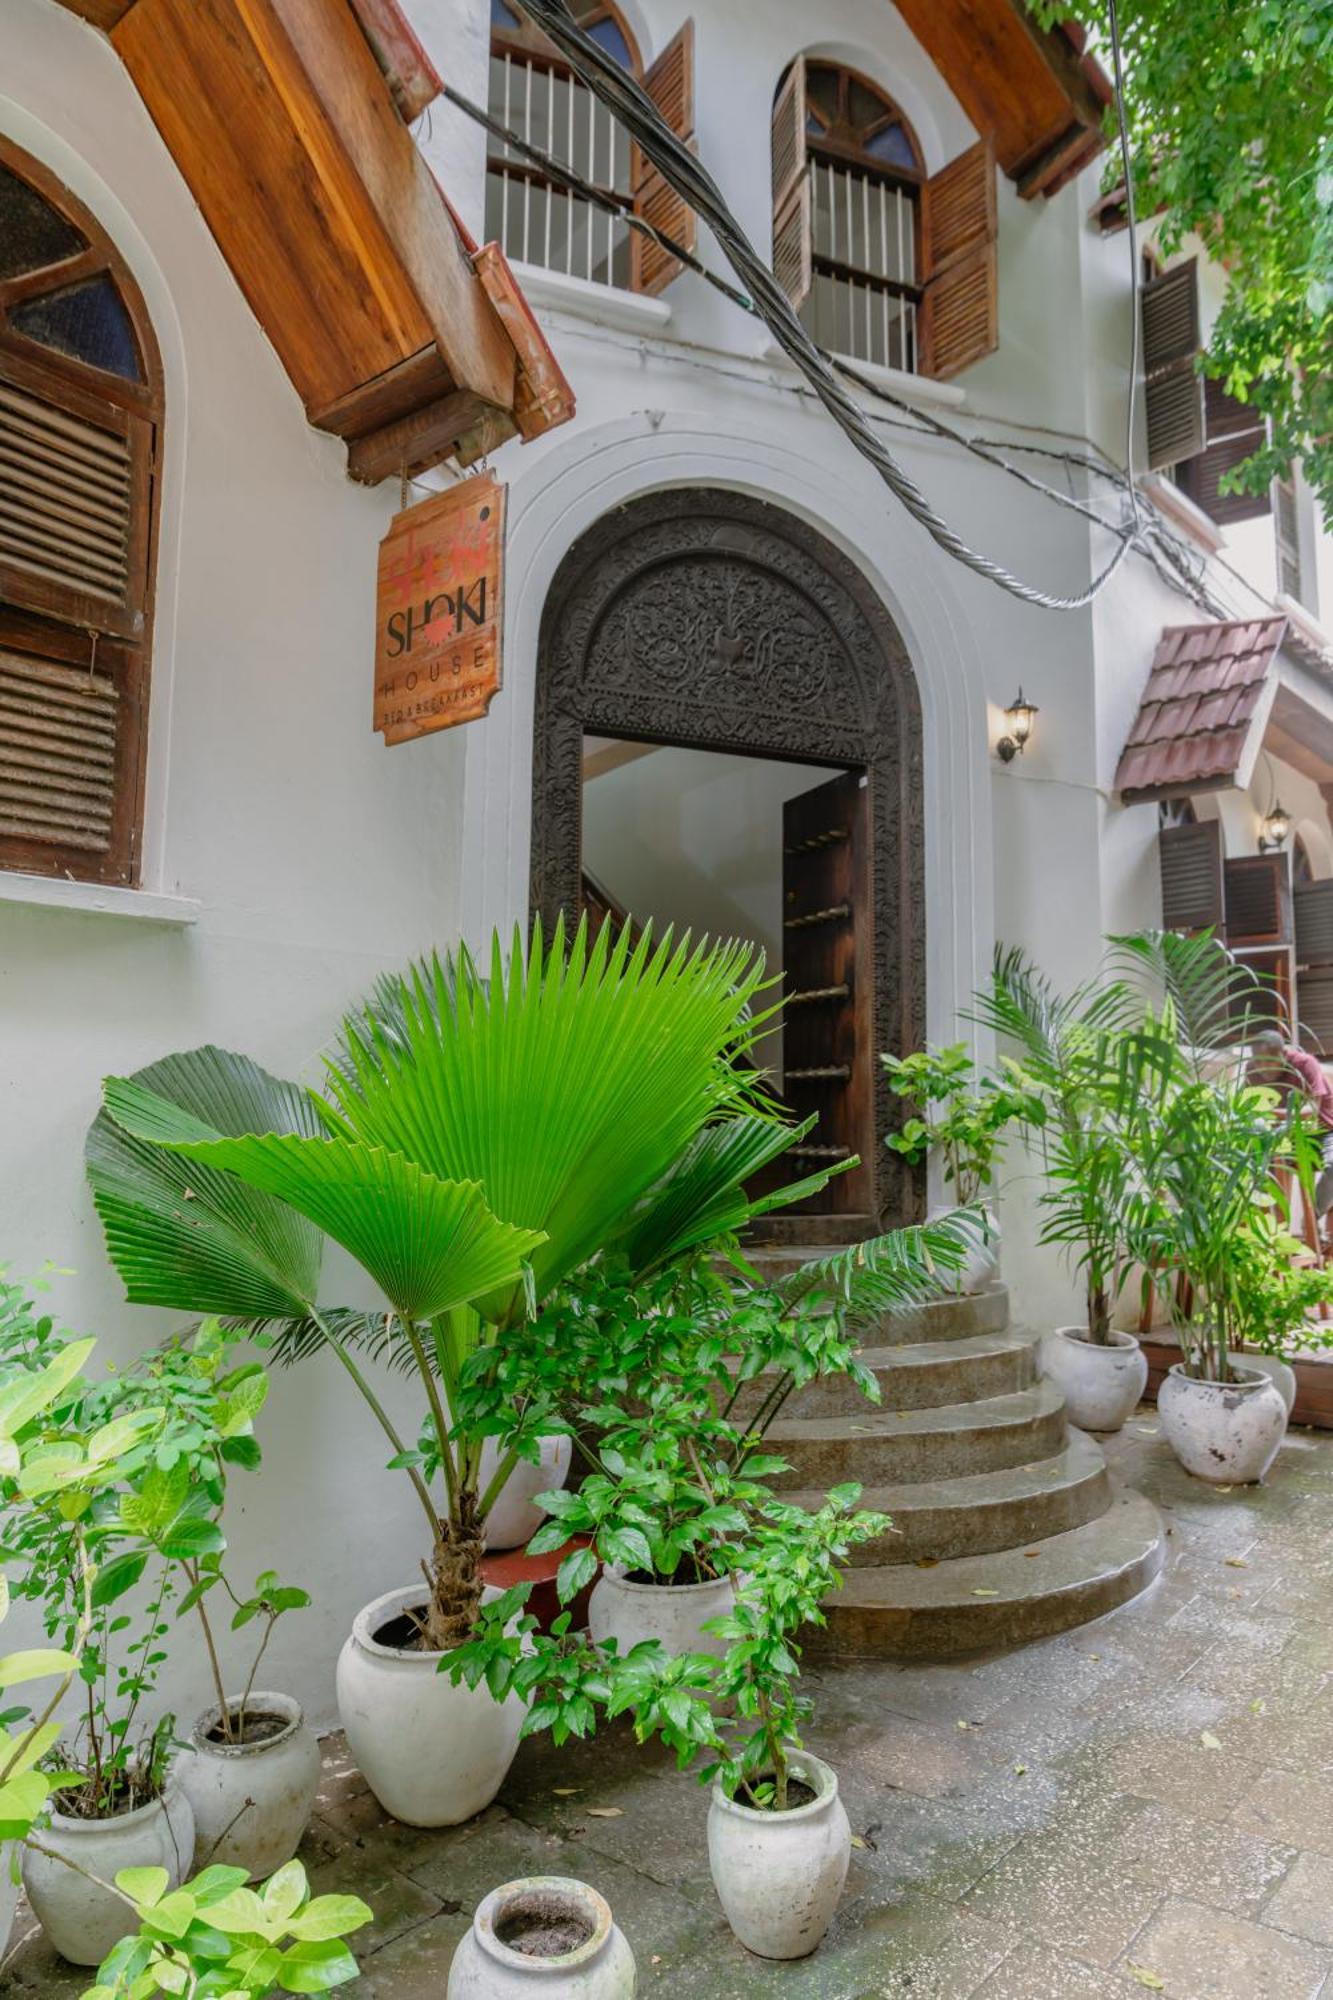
x: 712, y: 620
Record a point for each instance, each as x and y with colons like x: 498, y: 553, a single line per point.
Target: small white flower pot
x: 674, y: 1613
x: 981, y: 1264
x: 81, y: 1920
x: 1102, y: 1384
x: 252, y: 1801
x: 432, y: 1753
x: 515, y: 1517
x: 545, y: 1938
x: 1225, y: 1432
x: 779, y: 1875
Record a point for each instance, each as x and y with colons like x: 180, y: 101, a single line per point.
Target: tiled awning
x: 1199, y: 708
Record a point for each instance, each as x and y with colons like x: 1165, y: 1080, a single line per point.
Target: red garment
x: 1314, y: 1081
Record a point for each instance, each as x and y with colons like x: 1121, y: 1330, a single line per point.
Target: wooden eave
x: 286, y: 119
x: 1034, y: 92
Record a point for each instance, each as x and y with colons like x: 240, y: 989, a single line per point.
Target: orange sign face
x: 440, y: 611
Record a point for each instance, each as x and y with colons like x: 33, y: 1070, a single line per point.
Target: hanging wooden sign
x: 440, y: 611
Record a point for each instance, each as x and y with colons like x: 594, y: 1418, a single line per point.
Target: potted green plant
x: 1281, y: 1301
x: 479, y: 1138
x: 960, y: 1118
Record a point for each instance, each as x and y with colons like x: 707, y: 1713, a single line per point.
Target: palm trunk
x: 455, y: 1576
x: 1099, y: 1315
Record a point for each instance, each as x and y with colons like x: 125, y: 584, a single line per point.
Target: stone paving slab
x: 1142, y: 1805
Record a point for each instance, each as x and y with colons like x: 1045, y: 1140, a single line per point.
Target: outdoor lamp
x: 1277, y: 825
x: 1018, y: 715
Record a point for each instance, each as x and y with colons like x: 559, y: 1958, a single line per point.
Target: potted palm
x: 478, y: 1139
x: 960, y: 1118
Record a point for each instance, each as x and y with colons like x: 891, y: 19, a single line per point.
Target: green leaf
x: 15, y: 1668
x: 316, y: 1967
x: 27, y: 1395
x: 284, y: 1892
x: 114, y: 1578
x: 331, y: 1917
x: 574, y: 1572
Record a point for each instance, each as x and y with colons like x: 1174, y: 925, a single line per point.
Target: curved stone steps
x: 881, y: 1447
x: 924, y: 1376
x: 978, y: 1602
x: 936, y: 1520
x: 956, y: 1316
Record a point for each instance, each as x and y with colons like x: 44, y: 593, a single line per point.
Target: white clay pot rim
x: 1078, y: 1336
x: 492, y: 1910
x: 393, y: 1603
x: 66, y: 1823
x: 258, y: 1702
x: 1250, y: 1379
x: 613, y: 1573
x: 811, y: 1771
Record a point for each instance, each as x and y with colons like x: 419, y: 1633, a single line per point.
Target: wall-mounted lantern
x: 1019, y: 715
x: 1277, y: 825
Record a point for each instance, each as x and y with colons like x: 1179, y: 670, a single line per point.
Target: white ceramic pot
x: 981, y: 1265
x: 1225, y: 1432
x: 1279, y: 1373
x: 1101, y: 1384
x: 591, y: 1959
x: 80, y: 1919
x: 251, y: 1801
x: 9, y: 1893
x: 432, y: 1753
x: 779, y: 1875
x: 674, y: 1613
x: 515, y: 1517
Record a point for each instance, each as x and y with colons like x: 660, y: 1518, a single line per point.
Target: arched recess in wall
x: 711, y: 620
x: 81, y: 404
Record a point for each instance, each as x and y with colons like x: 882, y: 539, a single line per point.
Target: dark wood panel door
x: 828, y: 967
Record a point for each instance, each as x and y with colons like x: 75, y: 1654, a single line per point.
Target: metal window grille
x: 535, y: 222
x: 865, y: 295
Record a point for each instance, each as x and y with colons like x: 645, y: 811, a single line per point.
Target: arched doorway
x: 706, y: 620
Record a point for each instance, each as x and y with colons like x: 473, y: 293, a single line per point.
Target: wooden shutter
x: 793, y: 223
x: 960, y: 303
x: 1233, y: 432
x: 1287, y: 528
x: 1173, y: 388
x: 670, y: 83
x: 1258, y: 899
x: 1190, y: 861
x: 1313, y: 903
x: 1314, y: 1005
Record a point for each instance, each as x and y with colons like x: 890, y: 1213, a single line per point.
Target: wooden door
x: 828, y: 978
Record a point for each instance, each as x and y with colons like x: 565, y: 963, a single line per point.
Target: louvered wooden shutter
x: 1313, y: 904
x: 1258, y: 899
x: 1314, y: 1006
x: 793, y: 223
x: 74, y: 473
x: 59, y: 754
x: 960, y: 304
x: 670, y: 83
x: 1233, y: 432
x: 1190, y: 861
x: 1173, y: 388
x: 1287, y: 526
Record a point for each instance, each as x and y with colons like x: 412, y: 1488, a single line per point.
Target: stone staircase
x: 1006, y: 1526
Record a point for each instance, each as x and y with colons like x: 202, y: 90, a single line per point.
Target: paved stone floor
x: 1144, y: 1804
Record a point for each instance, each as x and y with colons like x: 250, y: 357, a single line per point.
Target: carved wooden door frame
x: 710, y: 620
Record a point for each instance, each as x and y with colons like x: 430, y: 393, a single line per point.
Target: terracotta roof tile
x: 1201, y: 695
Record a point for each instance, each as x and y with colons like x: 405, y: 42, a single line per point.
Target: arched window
x: 533, y: 93
x: 883, y: 265
x: 80, y: 429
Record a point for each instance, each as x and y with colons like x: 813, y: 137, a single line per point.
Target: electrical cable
x: 688, y: 178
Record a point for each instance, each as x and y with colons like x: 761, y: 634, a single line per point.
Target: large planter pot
x: 779, y: 1875
x: 81, y: 1920
x: 1280, y: 1374
x: 1225, y: 1432
x: 432, y: 1753
x: 674, y: 1613
x: 981, y: 1266
x: 515, y: 1517
x: 252, y: 1800
x: 545, y: 1938
x: 1101, y: 1384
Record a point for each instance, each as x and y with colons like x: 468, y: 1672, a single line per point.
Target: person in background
x: 1281, y: 1065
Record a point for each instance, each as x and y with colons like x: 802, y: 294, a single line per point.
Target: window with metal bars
x: 80, y: 427
x: 533, y: 93
x: 866, y: 176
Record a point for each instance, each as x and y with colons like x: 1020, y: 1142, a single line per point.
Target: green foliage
x: 1230, y: 108
x: 1278, y: 1297
x: 959, y: 1114
x: 215, y: 1938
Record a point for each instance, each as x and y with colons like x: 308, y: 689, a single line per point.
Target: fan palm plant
x: 477, y: 1139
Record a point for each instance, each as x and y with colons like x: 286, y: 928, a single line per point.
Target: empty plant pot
x: 80, y: 1919
x: 252, y: 1799
x: 515, y: 1518
x: 545, y: 1936
x: 673, y: 1613
x: 1101, y: 1383
x: 779, y: 1875
x: 1225, y: 1432
x: 432, y: 1753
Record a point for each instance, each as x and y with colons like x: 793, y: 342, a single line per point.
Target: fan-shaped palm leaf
x: 904, y: 1267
